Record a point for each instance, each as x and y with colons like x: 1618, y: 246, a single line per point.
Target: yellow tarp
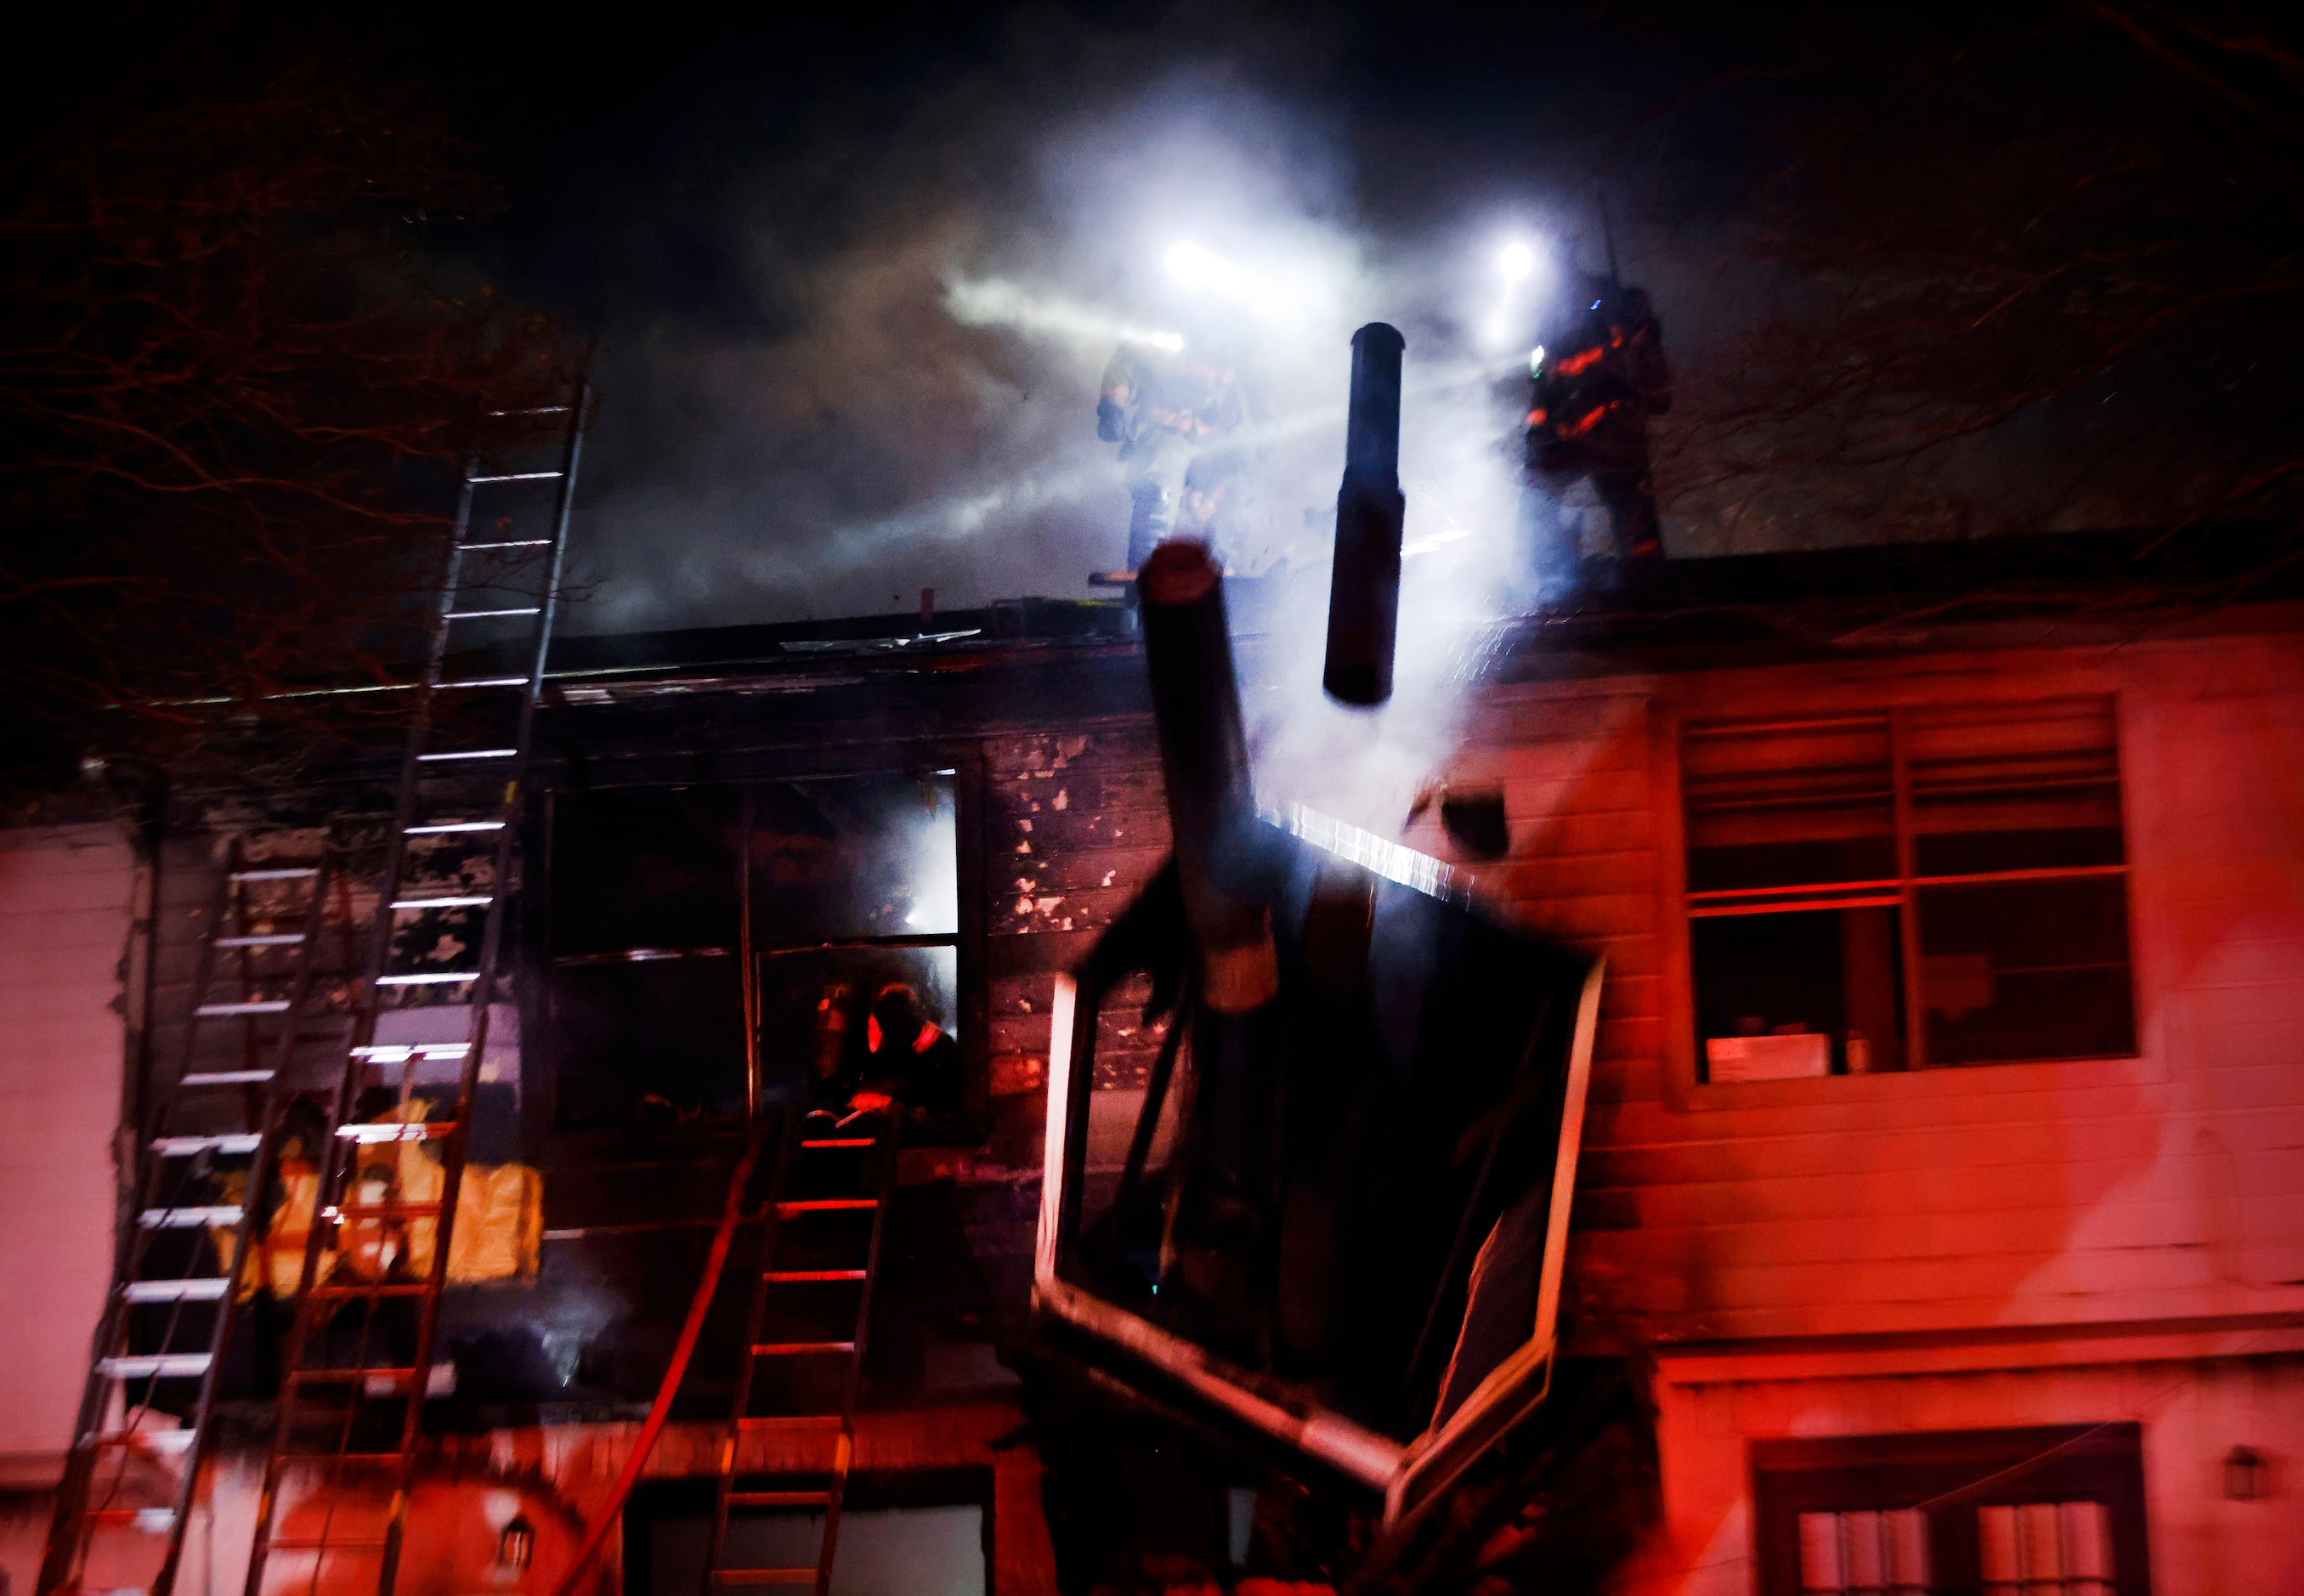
x: 499, y: 1234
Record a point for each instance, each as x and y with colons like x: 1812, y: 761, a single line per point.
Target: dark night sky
x: 853, y: 271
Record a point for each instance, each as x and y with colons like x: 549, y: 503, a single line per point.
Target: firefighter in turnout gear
x: 1595, y: 382
x: 1172, y: 414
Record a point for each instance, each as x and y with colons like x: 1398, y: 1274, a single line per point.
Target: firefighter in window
x: 1177, y: 418
x: 906, y: 1060
x: 1596, y: 381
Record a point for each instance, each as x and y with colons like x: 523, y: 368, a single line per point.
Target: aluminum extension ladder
x: 359, y: 1359
x: 204, y: 1155
x: 811, y: 1304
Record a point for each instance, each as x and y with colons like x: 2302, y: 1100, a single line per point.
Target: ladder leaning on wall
x: 365, y: 1314
x: 359, y: 1359
x: 802, y: 1364
x: 204, y: 1152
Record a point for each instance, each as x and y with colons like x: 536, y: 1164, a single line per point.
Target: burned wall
x: 1076, y: 823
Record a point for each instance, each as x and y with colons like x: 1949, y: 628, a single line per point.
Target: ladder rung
x: 801, y: 1349
x: 764, y: 1576
x: 534, y: 409
x: 813, y: 1142
x: 371, y: 1458
x: 371, y: 1136
x: 814, y: 1205
x: 789, y: 1421
x: 207, y: 1290
x: 395, y: 1288
x: 226, y: 1078
x: 166, y: 1365
x: 487, y: 681
x: 189, y: 1218
x: 446, y: 827
x: 270, y: 1006
x: 518, y: 477
x: 402, y: 1052
x: 467, y: 753
x: 179, y: 1439
x: 510, y: 543
x: 430, y: 979
x: 382, y: 1210
x: 779, y: 1498
x: 152, y: 1521
x: 466, y: 901
x: 489, y: 615
x: 183, y: 1147
x: 297, y: 873
x: 277, y: 939
x: 785, y: 1277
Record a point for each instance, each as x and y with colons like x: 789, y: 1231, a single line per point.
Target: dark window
x: 835, y: 891
x: 1907, y: 889
x: 2046, y: 1512
x: 646, y: 1003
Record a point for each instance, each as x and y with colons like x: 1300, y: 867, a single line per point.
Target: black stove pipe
x: 1204, y: 762
x: 1364, y: 583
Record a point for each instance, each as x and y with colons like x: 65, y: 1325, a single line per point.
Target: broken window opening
x: 718, y: 950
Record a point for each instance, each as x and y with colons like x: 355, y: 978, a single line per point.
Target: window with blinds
x: 2032, y: 1548
x: 1907, y: 889
x: 2044, y: 1512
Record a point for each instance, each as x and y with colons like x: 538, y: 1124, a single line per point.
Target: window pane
x: 669, y: 1028
x: 2028, y: 787
x: 1786, y: 807
x: 1780, y: 994
x: 854, y: 856
x: 2026, y: 969
x: 884, y: 1551
x: 2045, y: 1548
x: 1865, y: 1553
x: 653, y: 868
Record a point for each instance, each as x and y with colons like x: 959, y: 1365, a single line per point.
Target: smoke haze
x: 889, y: 380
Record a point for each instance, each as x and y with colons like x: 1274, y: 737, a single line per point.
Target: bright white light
x: 1194, y: 266
x: 1535, y: 360
x: 1523, y: 269
x: 985, y: 301
x: 1204, y: 271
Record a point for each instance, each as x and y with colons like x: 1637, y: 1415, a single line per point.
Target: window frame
x: 1767, y: 699
x: 756, y: 949
x: 963, y: 758
x: 1947, y: 1471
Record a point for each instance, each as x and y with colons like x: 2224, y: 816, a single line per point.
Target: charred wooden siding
x: 1076, y: 824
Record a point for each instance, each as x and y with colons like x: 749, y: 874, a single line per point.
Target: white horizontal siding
x: 64, y: 903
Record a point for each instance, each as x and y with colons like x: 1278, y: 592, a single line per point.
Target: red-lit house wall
x: 1910, y: 1215
x: 1995, y: 1246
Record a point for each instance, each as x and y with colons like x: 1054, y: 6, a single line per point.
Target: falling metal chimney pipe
x: 1204, y: 762
x: 1364, y: 585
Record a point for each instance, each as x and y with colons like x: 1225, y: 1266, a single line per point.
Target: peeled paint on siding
x: 1078, y: 824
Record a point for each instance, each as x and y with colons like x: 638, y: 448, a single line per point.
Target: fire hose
x: 731, y: 1214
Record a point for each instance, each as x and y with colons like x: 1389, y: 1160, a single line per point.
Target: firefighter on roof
x: 1174, y: 416
x: 1595, y: 384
